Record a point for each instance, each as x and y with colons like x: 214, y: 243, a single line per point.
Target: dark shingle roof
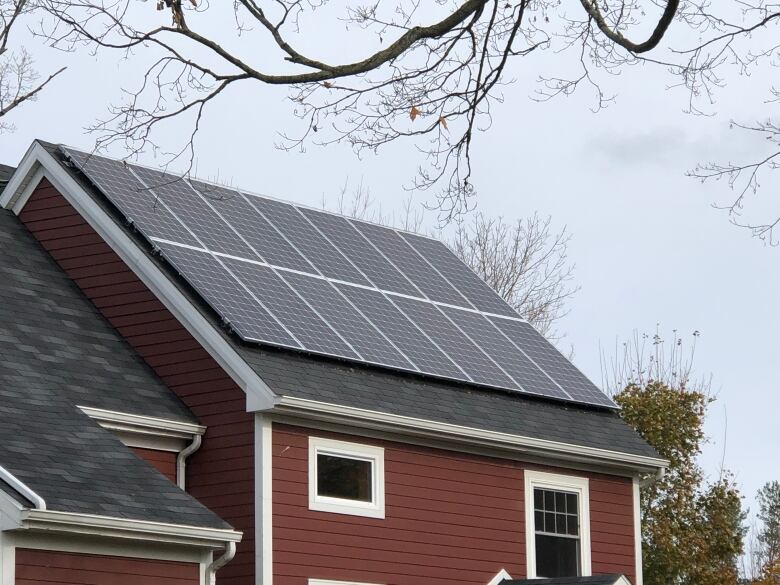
x: 57, y: 352
x: 595, y: 580
x: 348, y: 384
x: 323, y: 380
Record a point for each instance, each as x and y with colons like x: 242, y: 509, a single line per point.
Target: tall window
x: 346, y: 478
x: 557, y: 525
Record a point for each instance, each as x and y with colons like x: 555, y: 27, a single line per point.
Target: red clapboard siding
x: 176, y: 357
x: 450, y: 518
x: 162, y: 461
x: 34, y: 567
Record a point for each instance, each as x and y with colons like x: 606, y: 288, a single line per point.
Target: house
x: 199, y: 384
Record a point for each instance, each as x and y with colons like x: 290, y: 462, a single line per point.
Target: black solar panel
x: 284, y: 275
x: 552, y: 362
x: 305, y: 238
x: 461, y: 276
x: 411, y: 263
x: 265, y: 240
x: 528, y: 376
x: 361, y: 252
x: 361, y: 334
x: 420, y: 350
x: 226, y: 295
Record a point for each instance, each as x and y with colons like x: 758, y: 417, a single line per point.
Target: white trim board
x: 21, y: 187
x: 263, y: 500
x: 637, y: 505
x: 567, y: 483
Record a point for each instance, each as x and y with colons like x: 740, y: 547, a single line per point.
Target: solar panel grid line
x: 248, y: 199
x: 176, y: 255
x: 328, y: 260
x: 530, y: 359
x: 222, y: 217
x: 476, y: 365
x: 508, y: 352
x: 316, y: 312
x: 310, y: 329
x: 478, y: 346
x: 367, y: 245
x: 409, y: 262
x: 340, y: 295
x: 429, y: 338
x: 422, y: 352
x: 343, y: 255
x: 470, y: 283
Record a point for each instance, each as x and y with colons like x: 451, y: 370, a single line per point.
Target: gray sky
x: 648, y: 246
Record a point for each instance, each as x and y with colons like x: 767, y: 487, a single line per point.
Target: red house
x: 199, y: 384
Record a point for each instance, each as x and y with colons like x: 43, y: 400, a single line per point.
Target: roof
x: 595, y: 580
x: 295, y: 374
x: 56, y: 353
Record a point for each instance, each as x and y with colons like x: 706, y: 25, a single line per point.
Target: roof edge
x: 128, y: 529
x: 39, y: 163
x: 505, y: 442
x: 22, y: 489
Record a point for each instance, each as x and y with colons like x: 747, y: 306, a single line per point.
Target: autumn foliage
x: 692, y: 529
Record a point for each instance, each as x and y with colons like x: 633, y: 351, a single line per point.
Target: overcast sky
x: 648, y: 247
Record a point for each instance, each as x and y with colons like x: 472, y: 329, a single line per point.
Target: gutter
x: 327, y: 412
x: 217, y: 564
x: 138, y: 530
x: 181, y: 460
x: 22, y: 488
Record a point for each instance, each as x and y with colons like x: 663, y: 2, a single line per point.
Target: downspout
x: 181, y: 460
x: 650, y: 478
x: 217, y: 564
x: 22, y: 488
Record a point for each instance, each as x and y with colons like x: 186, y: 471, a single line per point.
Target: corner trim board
x: 637, y: 503
x: 263, y: 499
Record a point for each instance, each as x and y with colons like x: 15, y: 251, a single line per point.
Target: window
x: 346, y: 478
x: 557, y: 525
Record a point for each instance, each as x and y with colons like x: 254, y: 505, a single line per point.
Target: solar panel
x: 554, y: 364
x: 461, y: 276
x: 313, y: 281
x: 226, y: 295
x: 361, y: 252
x: 265, y: 240
x: 411, y: 264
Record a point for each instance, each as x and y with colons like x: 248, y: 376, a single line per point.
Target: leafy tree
x: 692, y: 529
x: 768, y: 537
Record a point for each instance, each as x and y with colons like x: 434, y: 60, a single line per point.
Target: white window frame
x: 567, y: 483
x: 375, y: 455
x: 328, y: 582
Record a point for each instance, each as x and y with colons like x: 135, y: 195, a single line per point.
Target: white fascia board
x: 552, y: 450
x: 18, y: 191
x: 140, y: 530
x: 133, y: 423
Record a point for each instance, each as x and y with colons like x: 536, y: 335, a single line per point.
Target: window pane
x: 560, y: 502
x: 539, y: 521
x: 557, y: 557
x: 560, y: 523
x: 573, y: 525
x: 341, y: 477
x: 538, y: 499
x: 549, y: 522
x: 571, y: 504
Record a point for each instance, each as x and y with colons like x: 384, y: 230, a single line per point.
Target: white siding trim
x: 375, y: 455
x: 263, y: 500
x: 7, y: 559
x: 579, y: 485
x: 500, y: 577
x: 637, y: 503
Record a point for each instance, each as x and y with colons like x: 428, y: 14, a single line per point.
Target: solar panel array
x: 300, y: 278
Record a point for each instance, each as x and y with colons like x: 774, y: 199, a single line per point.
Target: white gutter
x: 181, y: 460
x: 425, y: 428
x: 217, y: 564
x: 111, y: 527
x: 120, y: 421
x: 22, y: 488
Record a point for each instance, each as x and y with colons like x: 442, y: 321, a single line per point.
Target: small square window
x: 346, y: 478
